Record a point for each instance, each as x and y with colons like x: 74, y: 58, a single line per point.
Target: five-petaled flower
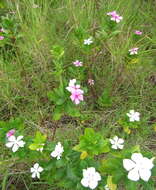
x: 15, y: 143
x: 77, y: 96
x: 10, y: 133
x: 133, y: 51
x: 88, y: 41
x: 36, y: 170
x: 57, y: 153
x: 1, y: 37
x: 117, y: 143
x: 77, y: 63
x: 139, y: 167
x: 133, y: 116
x: 90, y: 178
x: 76, y: 93
x: 115, y: 17
x: 138, y: 32
x: 41, y: 147
x: 90, y: 82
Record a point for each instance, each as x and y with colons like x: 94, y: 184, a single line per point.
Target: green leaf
x: 57, y: 52
x: 105, y: 100
x: 130, y: 185
x: 58, y: 112
x: 39, y: 138
x: 92, y: 143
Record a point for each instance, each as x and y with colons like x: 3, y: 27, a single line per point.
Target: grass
x: 27, y: 70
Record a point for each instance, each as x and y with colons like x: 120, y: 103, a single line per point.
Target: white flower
x: 133, y: 116
x: 106, y: 187
x: 117, y: 143
x: 88, y: 41
x: 133, y: 51
x: 36, y: 170
x: 41, y: 148
x: 138, y: 167
x: 90, y: 178
x: 58, y: 151
x: 15, y: 143
x: 72, y: 86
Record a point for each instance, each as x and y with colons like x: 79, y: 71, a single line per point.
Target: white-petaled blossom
x: 106, y: 187
x: 57, y: 153
x: 133, y: 51
x: 117, y: 143
x: 90, y: 178
x: 15, y: 143
x: 138, y: 167
x: 41, y: 147
x: 133, y: 116
x: 36, y: 170
x: 88, y: 41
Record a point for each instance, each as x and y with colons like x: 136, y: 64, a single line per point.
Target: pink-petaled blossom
x: 91, y: 82
x: 10, y: 133
x: 72, y: 86
x: 115, y: 17
x: 133, y: 51
x: 76, y: 93
x: 77, y: 96
x: 1, y: 37
x: 77, y: 63
x: 138, y: 32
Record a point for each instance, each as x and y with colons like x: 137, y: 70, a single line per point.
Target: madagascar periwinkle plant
x: 95, y: 161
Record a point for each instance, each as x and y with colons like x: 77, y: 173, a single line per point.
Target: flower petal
x: 111, y: 141
x: 84, y: 182
x: 114, y: 146
x: 54, y: 154
x: 128, y: 164
x: 36, y: 166
x: 40, y: 169
x: 148, y: 163
x: 19, y: 138
x: 33, y: 175
x: 38, y: 175
x: 120, y: 146
x: 15, y: 147
x: 136, y: 157
x: 9, y: 144
x: 133, y: 175
x: 21, y: 143
x: 120, y: 141
x: 93, y: 184
x: 12, y: 138
x: 145, y: 174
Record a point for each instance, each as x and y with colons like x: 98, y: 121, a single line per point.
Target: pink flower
x: 137, y: 32
x: 115, y: 17
x: 90, y: 82
x: 1, y: 37
x: 77, y: 96
x: 10, y: 133
x: 133, y: 51
x: 77, y: 63
x: 76, y: 92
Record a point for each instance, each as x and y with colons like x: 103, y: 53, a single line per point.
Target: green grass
x: 27, y: 71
